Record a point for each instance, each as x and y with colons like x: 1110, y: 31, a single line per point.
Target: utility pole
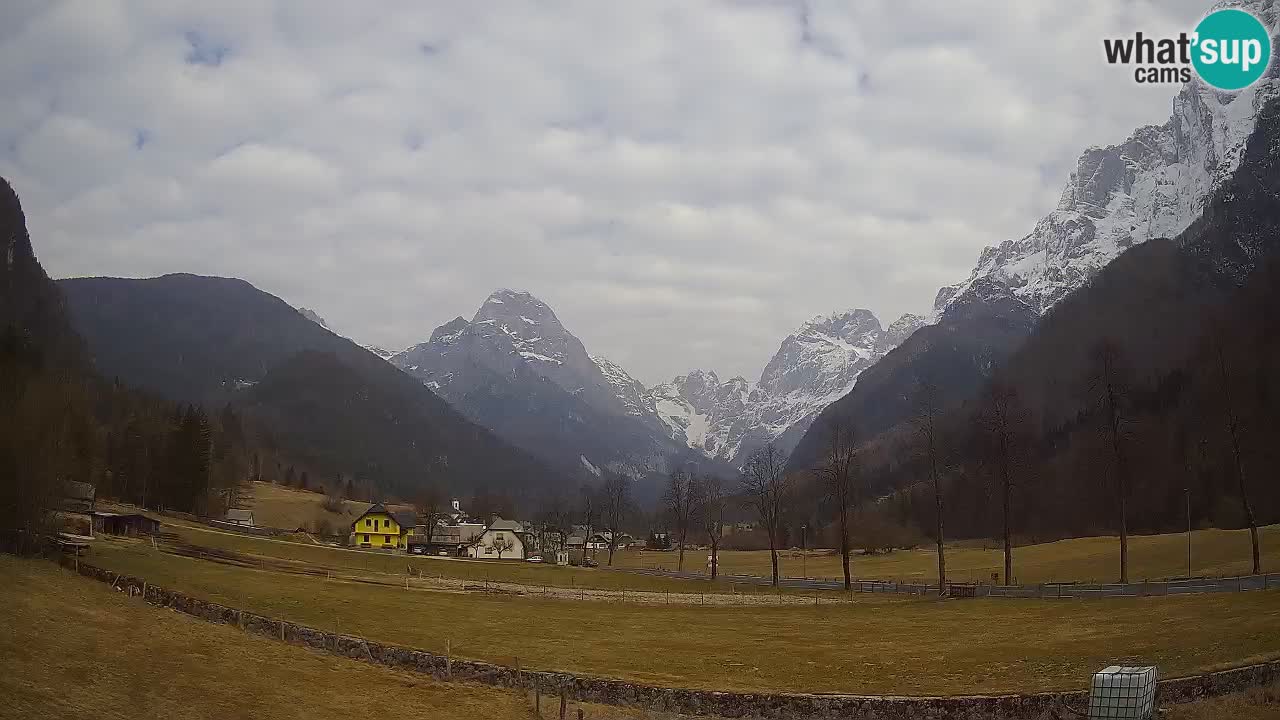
x: 1187, y: 494
x: 804, y: 552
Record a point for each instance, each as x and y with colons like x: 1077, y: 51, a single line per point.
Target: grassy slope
x: 281, y: 507
x: 74, y: 649
x: 907, y: 646
x: 1213, y: 552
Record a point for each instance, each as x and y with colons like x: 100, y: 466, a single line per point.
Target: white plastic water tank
x: 1123, y: 691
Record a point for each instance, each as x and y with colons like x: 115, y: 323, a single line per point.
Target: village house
x: 443, y: 540
x: 237, y: 516
x: 501, y: 540
x: 382, y: 529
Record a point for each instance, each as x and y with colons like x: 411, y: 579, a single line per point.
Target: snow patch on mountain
x: 380, y: 352
x: 590, y: 468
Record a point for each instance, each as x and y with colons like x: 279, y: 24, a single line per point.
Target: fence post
x: 448, y: 659
x: 564, y: 701
x: 537, y: 697
x: 519, y: 678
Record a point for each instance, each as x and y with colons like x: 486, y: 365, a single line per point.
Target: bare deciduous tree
x: 1001, y: 422
x: 617, y: 502
x: 929, y: 446
x: 430, y: 506
x: 839, y: 478
x: 679, y: 504
x: 501, y: 544
x: 1235, y: 427
x: 768, y: 487
x: 1109, y: 389
x: 709, y: 501
x: 590, y: 510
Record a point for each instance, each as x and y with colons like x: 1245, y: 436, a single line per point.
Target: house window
x: 366, y: 538
x: 386, y: 523
x: 368, y: 522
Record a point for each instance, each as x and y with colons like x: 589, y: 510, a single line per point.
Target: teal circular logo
x: 1232, y: 49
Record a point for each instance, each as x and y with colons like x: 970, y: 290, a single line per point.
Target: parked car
x: 534, y: 558
x: 588, y: 562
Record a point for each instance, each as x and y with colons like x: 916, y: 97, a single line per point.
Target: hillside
x: 957, y: 354
x: 325, y: 401
x: 1151, y: 186
x: 1193, y: 322
x: 31, y: 308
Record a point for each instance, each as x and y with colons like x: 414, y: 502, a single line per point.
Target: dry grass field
x: 72, y: 648
x: 301, y: 550
x: 1213, y: 552
x: 904, y: 646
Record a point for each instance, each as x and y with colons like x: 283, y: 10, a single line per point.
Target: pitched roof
x: 374, y: 508
x: 238, y: 514
x: 508, y: 525
x: 405, y: 518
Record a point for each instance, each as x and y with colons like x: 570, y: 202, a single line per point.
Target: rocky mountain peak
x: 899, y: 330
x: 449, y: 332
x: 821, y: 350
x: 313, y: 316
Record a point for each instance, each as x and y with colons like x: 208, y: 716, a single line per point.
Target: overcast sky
x: 684, y: 182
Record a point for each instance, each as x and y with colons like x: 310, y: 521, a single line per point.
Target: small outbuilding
x: 238, y: 516
x: 109, y: 523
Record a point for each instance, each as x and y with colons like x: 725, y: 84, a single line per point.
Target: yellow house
x: 380, y: 528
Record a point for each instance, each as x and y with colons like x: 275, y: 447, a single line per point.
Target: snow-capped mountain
x: 700, y: 410
x: 814, y: 366
x: 1154, y: 184
x: 515, y: 368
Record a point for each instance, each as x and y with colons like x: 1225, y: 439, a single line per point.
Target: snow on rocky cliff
x: 814, y: 366
x: 1152, y: 185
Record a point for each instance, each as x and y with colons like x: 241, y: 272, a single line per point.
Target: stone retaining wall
x: 676, y: 700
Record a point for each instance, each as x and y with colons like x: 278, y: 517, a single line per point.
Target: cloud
x: 684, y: 182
